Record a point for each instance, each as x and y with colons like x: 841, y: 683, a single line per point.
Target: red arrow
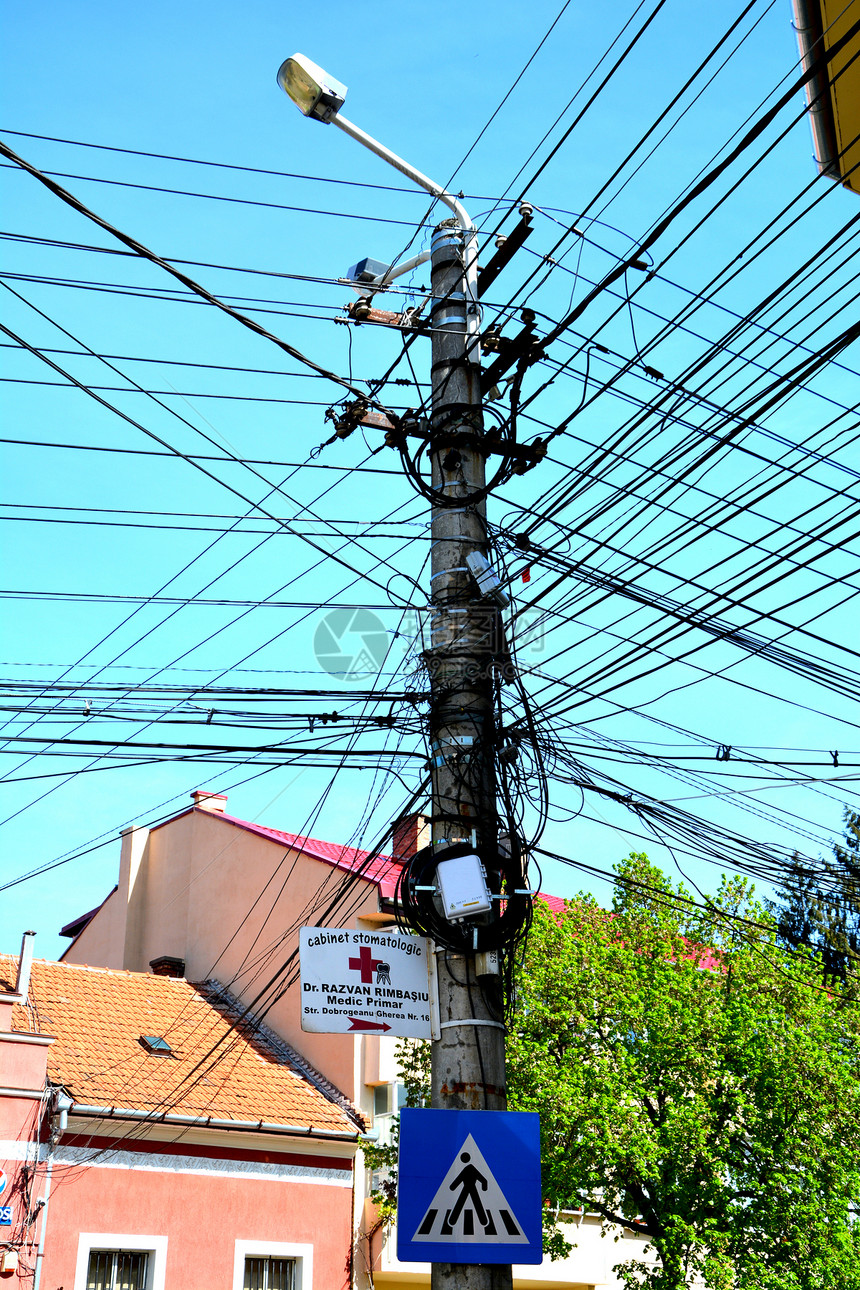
x: 359, y: 1024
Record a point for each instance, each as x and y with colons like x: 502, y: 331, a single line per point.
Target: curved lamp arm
x: 317, y: 94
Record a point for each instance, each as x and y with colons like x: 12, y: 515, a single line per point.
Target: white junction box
x: 487, y: 579
x: 463, y: 887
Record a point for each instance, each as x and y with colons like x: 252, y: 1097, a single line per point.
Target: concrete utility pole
x: 468, y: 1061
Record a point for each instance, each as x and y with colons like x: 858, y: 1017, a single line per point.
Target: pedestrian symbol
x: 468, y: 1188
x: 470, y: 1205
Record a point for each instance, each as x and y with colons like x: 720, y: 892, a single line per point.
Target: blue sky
x: 119, y: 563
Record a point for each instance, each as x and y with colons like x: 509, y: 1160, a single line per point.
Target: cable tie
x: 472, y: 1021
x: 459, y: 537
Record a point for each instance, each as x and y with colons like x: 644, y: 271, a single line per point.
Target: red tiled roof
x: 707, y: 958
x: 555, y: 903
x: 382, y: 870
x: 98, y: 1017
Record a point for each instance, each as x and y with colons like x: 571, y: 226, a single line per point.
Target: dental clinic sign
x: 356, y: 981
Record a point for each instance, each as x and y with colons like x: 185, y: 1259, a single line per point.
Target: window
x: 387, y: 1102
x: 157, y: 1045
x: 388, y: 1099
x: 114, y: 1261
x: 273, y: 1265
x: 269, y: 1274
x: 118, y: 1270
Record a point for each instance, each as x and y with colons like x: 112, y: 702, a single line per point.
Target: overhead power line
x: 191, y: 285
x: 820, y: 64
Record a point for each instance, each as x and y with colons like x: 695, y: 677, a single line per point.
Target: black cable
x: 187, y: 282
x: 195, y: 456
x: 821, y: 63
x: 178, y: 362
x: 214, y: 197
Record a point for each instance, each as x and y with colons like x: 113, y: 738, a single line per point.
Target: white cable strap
x: 459, y: 537
x: 471, y: 1021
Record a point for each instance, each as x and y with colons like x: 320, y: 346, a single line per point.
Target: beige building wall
x: 598, y: 1246
x: 229, y: 903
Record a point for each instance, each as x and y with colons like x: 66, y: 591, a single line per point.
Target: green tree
x: 820, y: 908
x: 696, y: 1083
x: 413, y: 1065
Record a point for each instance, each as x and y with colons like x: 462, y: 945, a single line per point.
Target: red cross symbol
x: 366, y: 964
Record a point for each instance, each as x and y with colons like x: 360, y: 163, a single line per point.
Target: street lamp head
x: 313, y: 91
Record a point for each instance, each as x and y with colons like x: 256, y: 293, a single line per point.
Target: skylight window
x: 157, y: 1045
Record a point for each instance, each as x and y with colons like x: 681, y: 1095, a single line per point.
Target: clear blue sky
x: 120, y: 562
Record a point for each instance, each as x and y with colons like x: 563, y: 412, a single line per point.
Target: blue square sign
x: 468, y: 1187
x: 5, y: 1215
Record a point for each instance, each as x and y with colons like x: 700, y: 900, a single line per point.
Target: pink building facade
x: 130, y: 1168
x: 209, y: 895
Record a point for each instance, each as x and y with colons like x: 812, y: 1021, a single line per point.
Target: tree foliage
x: 696, y: 1084
x: 413, y: 1065
x: 820, y: 908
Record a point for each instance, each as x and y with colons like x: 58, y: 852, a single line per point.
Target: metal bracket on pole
x: 487, y: 444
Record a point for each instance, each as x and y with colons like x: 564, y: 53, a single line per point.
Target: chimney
x: 167, y: 966
x: 25, y: 963
x: 215, y: 803
x: 409, y: 834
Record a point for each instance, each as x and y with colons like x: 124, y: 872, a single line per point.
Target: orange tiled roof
x: 98, y: 1016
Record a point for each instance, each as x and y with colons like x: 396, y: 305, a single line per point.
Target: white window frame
x: 155, y: 1246
x: 303, y: 1255
x: 396, y: 1098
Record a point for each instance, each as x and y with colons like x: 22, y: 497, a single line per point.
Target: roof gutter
x: 210, y: 1122
x: 810, y: 37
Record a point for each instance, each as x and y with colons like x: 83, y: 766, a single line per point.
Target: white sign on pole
x: 365, y: 982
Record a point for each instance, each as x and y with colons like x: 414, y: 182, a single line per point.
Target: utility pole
x: 468, y: 1061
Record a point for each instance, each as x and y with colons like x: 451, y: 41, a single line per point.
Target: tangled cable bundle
x: 418, y: 907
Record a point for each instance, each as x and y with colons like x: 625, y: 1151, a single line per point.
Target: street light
x: 313, y: 91
x: 318, y: 95
x: 373, y: 275
x: 461, y: 675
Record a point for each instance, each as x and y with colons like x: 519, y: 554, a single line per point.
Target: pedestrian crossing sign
x: 468, y: 1187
